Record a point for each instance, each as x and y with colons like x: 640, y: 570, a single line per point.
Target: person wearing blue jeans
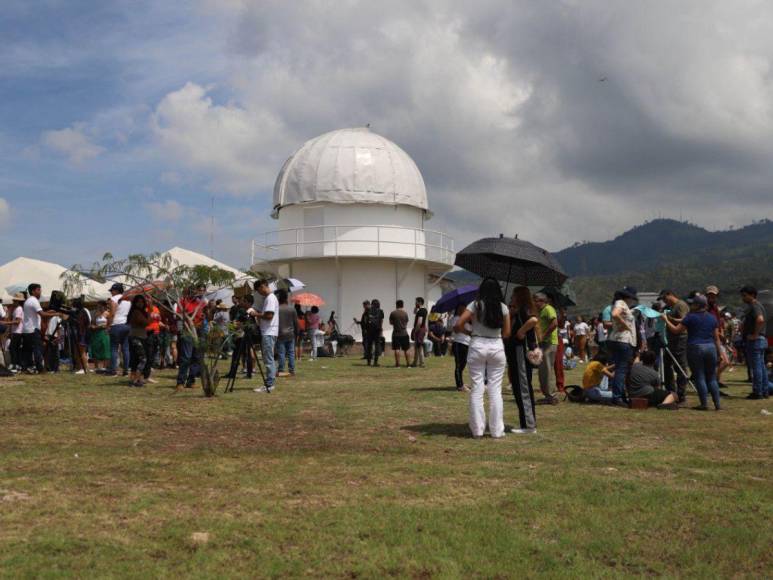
x: 754, y: 322
x: 621, y: 358
x: 703, y: 348
x: 119, y: 341
x: 621, y: 340
x: 288, y: 329
x: 702, y: 359
x: 269, y: 331
x: 285, y: 349
x: 189, y: 367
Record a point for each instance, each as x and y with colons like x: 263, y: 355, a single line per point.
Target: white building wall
x: 362, y: 279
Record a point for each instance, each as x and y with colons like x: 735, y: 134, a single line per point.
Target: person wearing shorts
x: 401, y: 341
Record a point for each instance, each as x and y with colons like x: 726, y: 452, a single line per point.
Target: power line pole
x: 212, y: 230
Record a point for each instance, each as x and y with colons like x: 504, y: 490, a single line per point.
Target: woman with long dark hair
x: 490, y: 323
x: 523, y: 338
x: 138, y: 320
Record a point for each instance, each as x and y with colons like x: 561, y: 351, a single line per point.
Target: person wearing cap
x: 677, y: 345
x: 118, y: 329
x: 622, y: 340
x: 754, y: 321
x: 704, y: 348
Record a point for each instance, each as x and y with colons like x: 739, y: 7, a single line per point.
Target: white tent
x: 188, y: 258
x: 17, y: 274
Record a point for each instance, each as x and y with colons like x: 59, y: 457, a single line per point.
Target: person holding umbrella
x: 490, y: 321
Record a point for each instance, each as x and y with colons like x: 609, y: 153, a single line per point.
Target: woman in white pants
x: 486, y: 361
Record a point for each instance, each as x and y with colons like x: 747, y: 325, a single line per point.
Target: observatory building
x: 352, y: 208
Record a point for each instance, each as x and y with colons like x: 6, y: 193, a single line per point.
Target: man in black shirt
x: 754, y: 321
x: 373, y: 321
x: 361, y: 324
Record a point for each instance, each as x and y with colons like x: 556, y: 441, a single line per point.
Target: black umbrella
x: 563, y: 297
x: 512, y: 260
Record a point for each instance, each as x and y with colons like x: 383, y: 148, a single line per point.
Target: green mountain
x: 671, y: 254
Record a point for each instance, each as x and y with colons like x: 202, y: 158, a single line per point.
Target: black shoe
x: 755, y: 396
x: 619, y: 403
x: 668, y: 406
x: 700, y: 408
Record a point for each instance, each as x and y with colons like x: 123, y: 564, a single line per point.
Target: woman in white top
x: 490, y: 323
x: 581, y: 329
x: 460, y: 344
x: 621, y: 340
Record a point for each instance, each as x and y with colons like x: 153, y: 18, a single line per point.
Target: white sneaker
x: 523, y: 431
x: 80, y: 372
x: 261, y: 390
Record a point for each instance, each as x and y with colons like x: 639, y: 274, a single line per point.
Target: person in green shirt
x: 548, y: 326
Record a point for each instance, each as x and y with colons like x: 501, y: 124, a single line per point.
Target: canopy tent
x: 189, y: 258
x: 17, y: 274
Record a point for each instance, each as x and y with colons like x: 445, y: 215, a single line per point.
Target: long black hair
x: 135, y: 305
x: 490, y: 302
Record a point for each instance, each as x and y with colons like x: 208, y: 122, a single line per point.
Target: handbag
x: 535, y: 356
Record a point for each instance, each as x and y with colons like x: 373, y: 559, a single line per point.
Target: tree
x: 160, y: 275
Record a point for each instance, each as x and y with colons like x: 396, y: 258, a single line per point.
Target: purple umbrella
x: 450, y: 300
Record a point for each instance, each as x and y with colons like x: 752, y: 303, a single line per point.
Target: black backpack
x: 373, y: 319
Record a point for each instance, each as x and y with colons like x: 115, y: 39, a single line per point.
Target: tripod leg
x: 681, y: 370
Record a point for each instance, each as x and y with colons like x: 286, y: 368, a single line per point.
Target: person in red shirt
x: 153, y: 341
x: 194, y: 306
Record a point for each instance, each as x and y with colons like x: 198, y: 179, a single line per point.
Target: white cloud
x: 227, y: 142
x: 74, y: 143
x: 5, y: 213
x: 169, y: 211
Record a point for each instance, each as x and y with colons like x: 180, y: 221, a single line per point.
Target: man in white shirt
x: 32, y: 340
x: 269, y: 331
x: 17, y: 325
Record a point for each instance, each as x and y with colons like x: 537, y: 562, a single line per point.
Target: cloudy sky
x: 561, y: 121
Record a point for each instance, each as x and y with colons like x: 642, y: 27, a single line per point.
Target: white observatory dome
x: 350, y: 166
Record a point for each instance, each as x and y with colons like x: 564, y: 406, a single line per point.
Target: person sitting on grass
x: 595, y: 379
x: 644, y: 383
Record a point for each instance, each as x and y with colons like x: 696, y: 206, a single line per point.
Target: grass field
x: 348, y: 471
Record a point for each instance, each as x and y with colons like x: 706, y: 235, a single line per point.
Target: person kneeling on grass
x: 595, y: 379
x: 644, y: 383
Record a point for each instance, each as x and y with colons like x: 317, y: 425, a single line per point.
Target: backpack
x: 373, y: 319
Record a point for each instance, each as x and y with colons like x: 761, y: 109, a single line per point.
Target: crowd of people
x: 642, y: 354
x: 130, y: 335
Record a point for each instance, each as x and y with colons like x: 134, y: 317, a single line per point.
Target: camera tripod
x: 246, y: 347
x: 676, y: 364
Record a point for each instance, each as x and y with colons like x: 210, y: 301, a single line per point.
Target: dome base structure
x: 345, y: 283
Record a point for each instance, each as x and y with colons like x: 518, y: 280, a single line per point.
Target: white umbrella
x: 292, y: 284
